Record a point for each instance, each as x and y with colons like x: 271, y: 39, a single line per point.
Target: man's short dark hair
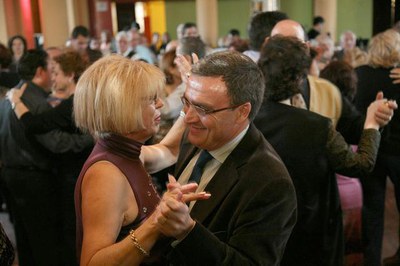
x: 318, y: 20
x: 80, y: 31
x: 284, y: 62
x: 234, y: 32
x: 261, y: 26
x: 30, y: 62
x: 186, y: 26
x: 189, y: 45
x: 242, y: 77
x: 135, y: 26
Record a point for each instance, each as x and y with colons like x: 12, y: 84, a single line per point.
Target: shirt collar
x: 223, y: 152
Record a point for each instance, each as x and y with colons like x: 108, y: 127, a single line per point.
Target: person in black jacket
x: 313, y: 151
x: 68, y: 67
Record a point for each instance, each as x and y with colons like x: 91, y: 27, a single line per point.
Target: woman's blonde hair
x: 384, y: 49
x: 111, y: 93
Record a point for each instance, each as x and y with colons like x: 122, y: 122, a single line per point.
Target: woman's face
x: 17, y: 46
x: 61, y: 82
x: 151, y: 116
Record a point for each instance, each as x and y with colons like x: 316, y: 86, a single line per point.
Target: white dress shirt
x: 219, y: 156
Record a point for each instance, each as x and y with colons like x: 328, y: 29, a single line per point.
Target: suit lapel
x: 220, y: 185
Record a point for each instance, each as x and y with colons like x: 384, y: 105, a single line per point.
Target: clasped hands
x: 172, y: 215
x: 380, y: 112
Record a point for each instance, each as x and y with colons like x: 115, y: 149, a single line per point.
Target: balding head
x: 289, y: 27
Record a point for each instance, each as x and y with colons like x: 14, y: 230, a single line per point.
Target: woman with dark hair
x: 313, y: 151
x: 18, y: 47
x: 343, y: 76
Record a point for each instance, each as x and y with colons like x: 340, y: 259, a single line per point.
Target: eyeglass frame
x: 201, y: 111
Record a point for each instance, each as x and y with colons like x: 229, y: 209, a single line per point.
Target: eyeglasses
x: 201, y: 111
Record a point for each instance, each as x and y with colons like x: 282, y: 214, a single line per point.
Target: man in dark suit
x: 313, y: 151
x: 252, y: 208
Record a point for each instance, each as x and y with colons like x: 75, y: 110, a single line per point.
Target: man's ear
x: 244, y: 112
x: 38, y: 72
x: 265, y: 41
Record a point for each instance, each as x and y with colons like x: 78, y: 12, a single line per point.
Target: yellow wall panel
x: 157, y: 16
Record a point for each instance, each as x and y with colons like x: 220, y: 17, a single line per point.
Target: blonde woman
x: 116, y: 100
x: 384, y: 54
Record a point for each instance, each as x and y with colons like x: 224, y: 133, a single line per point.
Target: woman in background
x: 384, y: 55
x: 18, y: 47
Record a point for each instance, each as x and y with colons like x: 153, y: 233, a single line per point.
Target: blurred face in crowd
x: 191, y: 32
x: 45, y: 77
x: 123, y: 45
x: 136, y: 38
x: 348, y: 41
x: 62, y: 82
x: 80, y: 44
x: 18, y: 47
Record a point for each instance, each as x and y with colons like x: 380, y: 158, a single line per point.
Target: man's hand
x: 172, y: 214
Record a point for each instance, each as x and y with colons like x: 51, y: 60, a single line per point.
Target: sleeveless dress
x: 124, y: 154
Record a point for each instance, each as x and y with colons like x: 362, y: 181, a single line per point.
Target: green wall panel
x: 299, y: 10
x: 355, y: 15
x: 233, y: 14
x: 179, y: 12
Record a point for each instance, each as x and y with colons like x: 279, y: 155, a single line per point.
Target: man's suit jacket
x: 300, y: 138
x: 250, y: 214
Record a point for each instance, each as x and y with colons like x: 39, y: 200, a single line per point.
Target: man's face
x: 191, y: 32
x: 135, y: 41
x: 123, y: 45
x: 80, y: 44
x: 209, y: 131
x: 348, y: 42
x: 45, y: 77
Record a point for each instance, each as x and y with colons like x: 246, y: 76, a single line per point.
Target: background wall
x: 233, y: 14
x: 355, y: 15
x: 179, y: 12
x: 301, y: 11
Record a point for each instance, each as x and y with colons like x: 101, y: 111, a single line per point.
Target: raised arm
x: 164, y: 154
x: 359, y: 163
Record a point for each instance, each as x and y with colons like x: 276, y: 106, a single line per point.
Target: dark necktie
x: 198, y: 168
